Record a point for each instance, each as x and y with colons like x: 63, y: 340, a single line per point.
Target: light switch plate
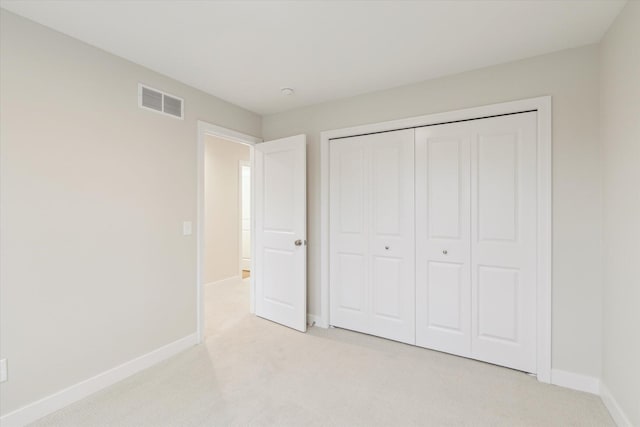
x: 186, y: 228
x: 3, y: 370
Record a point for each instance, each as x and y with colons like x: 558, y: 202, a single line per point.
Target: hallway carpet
x: 251, y: 372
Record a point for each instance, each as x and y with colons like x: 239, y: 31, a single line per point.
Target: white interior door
x: 443, y: 251
x: 280, y: 235
x: 372, y: 234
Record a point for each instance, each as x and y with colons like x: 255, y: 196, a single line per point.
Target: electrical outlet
x: 3, y: 370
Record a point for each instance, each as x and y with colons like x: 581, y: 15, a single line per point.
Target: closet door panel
x: 386, y: 190
x: 443, y: 180
x: 443, y: 290
x: 497, y: 170
x: 351, y: 191
x: 391, y: 244
x: 371, y: 261
x: 504, y: 206
x: 497, y: 303
x: 387, y: 289
x: 349, y: 271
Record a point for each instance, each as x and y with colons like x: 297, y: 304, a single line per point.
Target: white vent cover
x: 160, y: 102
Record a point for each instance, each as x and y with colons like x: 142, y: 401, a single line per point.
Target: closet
x: 433, y: 237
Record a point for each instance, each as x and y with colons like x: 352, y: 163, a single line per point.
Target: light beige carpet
x: 252, y: 372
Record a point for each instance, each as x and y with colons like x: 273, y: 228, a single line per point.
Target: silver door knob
x: 445, y: 251
x: 298, y: 242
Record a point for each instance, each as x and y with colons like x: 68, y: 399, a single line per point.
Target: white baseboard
x: 69, y: 395
x: 614, y: 409
x: 313, y: 319
x: 575, y: 381
x: 227, y: 281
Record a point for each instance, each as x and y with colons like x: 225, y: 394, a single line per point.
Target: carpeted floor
x: 252, y: 372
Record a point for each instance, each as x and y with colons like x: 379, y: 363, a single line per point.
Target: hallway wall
x: 222, y: 208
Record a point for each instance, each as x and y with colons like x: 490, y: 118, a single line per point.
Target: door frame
x: 544, y: 199
x: 204, y: 129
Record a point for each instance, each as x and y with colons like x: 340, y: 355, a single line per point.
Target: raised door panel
x: 351, y: 274
x: 279, y: 195
x: 443, y: 180
x: 498, y: 304
x: 351, y: 191
x: 277, y: 277
x: 386, y: 191
x: 443, y: 290
x: 387, y: 288
x: 497, y: 189
x: 444, y: 296
x: 504, y: 206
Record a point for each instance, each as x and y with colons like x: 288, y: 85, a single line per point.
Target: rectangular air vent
x: 160, y: 102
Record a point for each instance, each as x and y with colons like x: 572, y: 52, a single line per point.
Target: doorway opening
x: 225, y: 227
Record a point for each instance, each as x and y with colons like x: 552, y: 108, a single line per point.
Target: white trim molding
x: 544, y: 267
x: 205, y: 129
x: 47, y: 405
x: 595, y: 386
x: 575, y: 381
x: 613, y: 407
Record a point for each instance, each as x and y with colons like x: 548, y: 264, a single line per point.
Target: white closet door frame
x: 544, y: 215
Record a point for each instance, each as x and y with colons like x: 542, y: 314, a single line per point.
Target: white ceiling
x: 245, y: 51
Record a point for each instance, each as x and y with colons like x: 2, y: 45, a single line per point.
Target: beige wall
x: 222, y: 213
x: 620, y: 96
x: 571, y: 77
x: 95, y: 269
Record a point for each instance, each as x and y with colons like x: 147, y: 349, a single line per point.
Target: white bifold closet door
x: 372, y: 268
x: 476, y: 203
x: 443, y: 231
